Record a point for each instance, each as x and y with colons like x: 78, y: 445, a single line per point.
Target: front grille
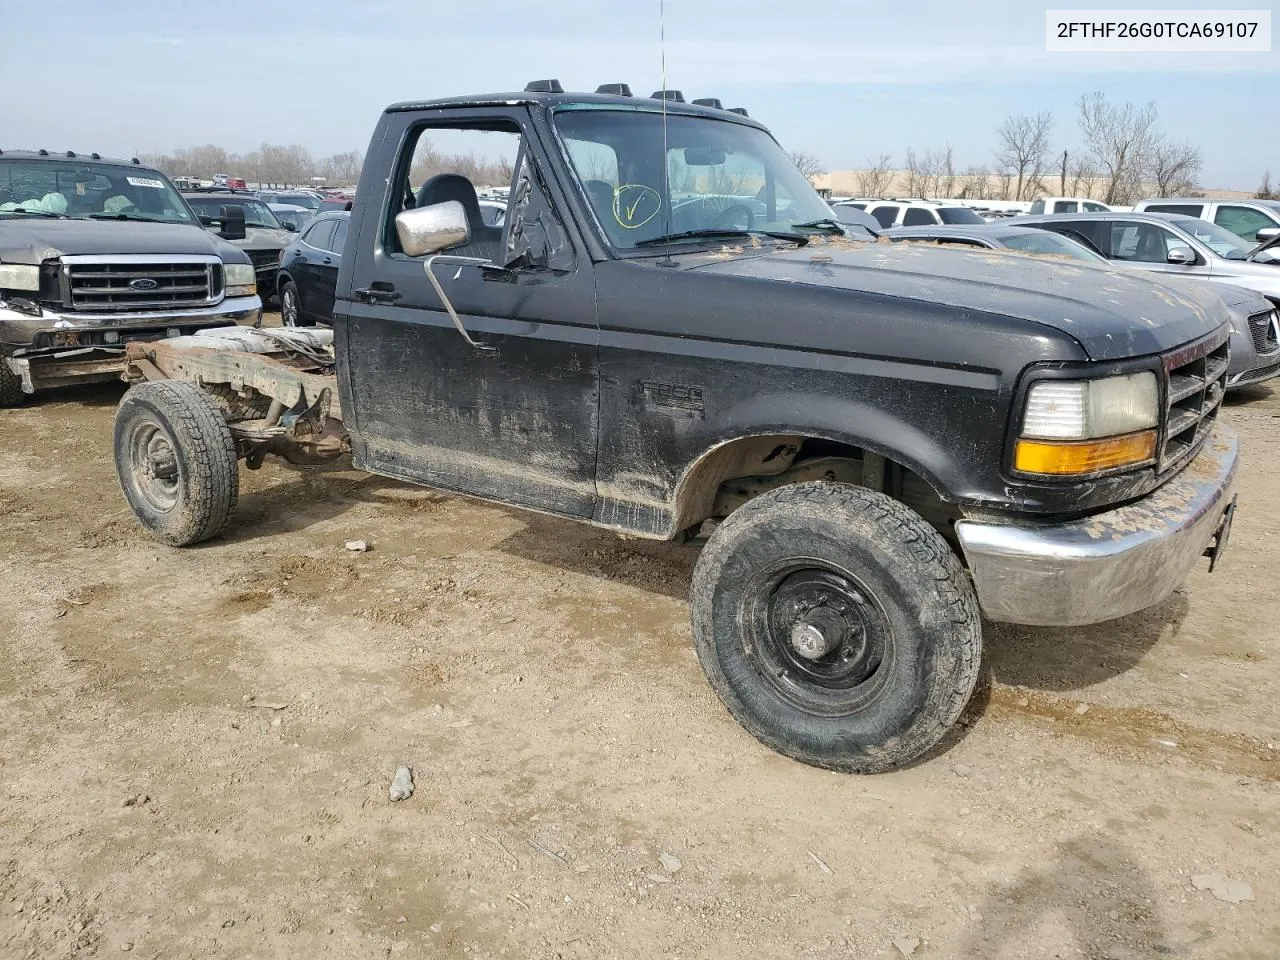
x: 1262, y: 326
x: 1197, y: 383
x: 104, y: 286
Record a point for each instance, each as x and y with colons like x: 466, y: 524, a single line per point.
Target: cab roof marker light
x: 739, y: 110
x: 615, y: 89
x: 709, y: 102
x: 96, y: 156
x: 71, y: 154
x: 673, y: 95
x: 543, y: 86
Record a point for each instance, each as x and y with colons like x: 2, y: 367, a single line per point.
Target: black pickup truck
x: 670, y: 337
x: 96, y: 253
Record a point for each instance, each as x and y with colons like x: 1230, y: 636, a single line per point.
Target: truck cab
x: 670, y: 336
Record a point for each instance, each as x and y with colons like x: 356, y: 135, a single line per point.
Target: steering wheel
x: 722, y: 218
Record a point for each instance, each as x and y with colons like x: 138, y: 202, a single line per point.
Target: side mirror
x: 1181, y: 255
x: 1267, y: 234
x: 289, y: 225
x: 232, y: 223
x: 430, y: 229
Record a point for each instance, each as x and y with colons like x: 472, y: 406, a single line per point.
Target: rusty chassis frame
x: 303, y: 422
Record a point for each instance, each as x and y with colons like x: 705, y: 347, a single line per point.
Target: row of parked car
x: 1245, y: 271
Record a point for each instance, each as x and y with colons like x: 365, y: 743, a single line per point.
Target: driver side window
x: 459, y: 162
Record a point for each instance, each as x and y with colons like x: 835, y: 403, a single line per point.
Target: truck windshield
x: 79, y: 190
x: 716, y: 176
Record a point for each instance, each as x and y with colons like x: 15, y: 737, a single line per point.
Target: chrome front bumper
x: 83, y: 362
x: 1111, y: 564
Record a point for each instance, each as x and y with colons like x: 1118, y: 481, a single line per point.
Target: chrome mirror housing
x: 430, y: 229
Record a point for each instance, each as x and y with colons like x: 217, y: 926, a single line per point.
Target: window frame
x: 316, y: 226
x: 406, y: 148
x: 1270, y: 222
x: 927, y: 212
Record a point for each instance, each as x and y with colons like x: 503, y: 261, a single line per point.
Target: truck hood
x: 1113, y: 314
x: 35, y: 240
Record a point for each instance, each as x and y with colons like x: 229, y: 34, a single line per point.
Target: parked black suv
x: 95, y: 253
x: 670, y: 336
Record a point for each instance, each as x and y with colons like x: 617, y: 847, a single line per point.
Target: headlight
x: 241, y: 281
x: 19, y: 277
x: 1075, y: 427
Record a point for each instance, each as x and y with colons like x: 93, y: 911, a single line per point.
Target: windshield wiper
x: 128, y: 216
x: 36, y: 213
x: 715, y: 234
x: 829, y: 222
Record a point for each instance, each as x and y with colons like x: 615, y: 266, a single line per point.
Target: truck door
x: 515, y: 419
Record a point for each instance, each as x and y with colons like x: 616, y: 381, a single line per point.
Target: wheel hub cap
x: 810, y: 641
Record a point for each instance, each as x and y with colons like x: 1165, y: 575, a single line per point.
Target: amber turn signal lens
x: 1084, y: 456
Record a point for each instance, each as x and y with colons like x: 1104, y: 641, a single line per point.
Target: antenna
x: 666, y: 184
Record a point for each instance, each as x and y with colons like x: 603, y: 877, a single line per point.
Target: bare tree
x: 1082, y: 178
x: 947, y: 173
x: 808, y: 164
x: 1024, y: 145
x: 875, y: 180
x: 342, y: 168
x: 1174, y: 166
x: 1264, y: 189
x: 917, y: 174
x: 1120, y: 140
x: 975, y: 184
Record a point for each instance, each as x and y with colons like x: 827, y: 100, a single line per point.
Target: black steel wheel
x: 176, y: 461
x: 837, y: 626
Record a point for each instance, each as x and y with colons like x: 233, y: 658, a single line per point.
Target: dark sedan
x: 309, y: 271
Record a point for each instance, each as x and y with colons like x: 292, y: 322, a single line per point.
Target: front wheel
x: 837, y: 626
x: 176, y: 460
x: 10, y: 386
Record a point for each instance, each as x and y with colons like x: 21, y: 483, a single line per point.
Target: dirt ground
x: 196, y: 746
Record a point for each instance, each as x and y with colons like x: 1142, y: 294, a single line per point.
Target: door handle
x: 377, y: 294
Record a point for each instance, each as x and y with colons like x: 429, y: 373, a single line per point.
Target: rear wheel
x: 10, y: 386
x: 176, y: 461
x: 837, y: 626
x: 290, y: 315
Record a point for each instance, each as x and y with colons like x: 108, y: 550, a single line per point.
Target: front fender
x: 859, y: 424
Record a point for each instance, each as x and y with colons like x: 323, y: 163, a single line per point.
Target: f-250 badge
x: 672, y: 396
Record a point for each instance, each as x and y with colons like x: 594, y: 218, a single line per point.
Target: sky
x: 846, y: 80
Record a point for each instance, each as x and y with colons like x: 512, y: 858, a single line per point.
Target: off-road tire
x: 907, y: 586
x: 10, y: 386
x: 175, y: 430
